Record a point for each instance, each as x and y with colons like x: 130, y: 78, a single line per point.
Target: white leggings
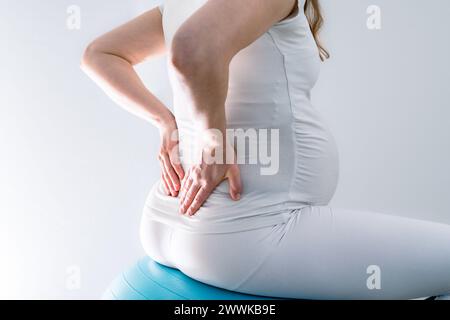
x: 320, y: 253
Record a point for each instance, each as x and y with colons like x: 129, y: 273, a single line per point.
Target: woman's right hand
x: 171, y: 170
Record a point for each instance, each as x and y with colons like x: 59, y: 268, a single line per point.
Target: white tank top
x: 269, y: 89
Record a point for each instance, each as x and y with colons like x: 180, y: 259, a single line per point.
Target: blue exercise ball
x: 149, y: 280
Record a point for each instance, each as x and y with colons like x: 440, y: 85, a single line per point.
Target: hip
x: 206, y: 257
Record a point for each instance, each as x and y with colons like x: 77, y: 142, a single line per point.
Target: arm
x: 109, y: 61
x: 201, y: 52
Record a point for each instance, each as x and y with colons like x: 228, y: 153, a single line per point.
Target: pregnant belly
x: 302, y: 171
x: 306, y: 176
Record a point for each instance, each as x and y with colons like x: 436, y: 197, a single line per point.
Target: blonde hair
x: 313, y: 13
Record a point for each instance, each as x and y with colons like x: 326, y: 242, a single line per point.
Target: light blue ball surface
x: 149, y: 280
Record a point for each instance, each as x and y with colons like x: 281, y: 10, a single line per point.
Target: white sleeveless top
x: 269, y: 88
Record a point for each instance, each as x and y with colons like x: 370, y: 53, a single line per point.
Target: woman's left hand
x: 171, y: 170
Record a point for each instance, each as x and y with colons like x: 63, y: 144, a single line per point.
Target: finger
x: 179, y: 171
x: 199, y: 199
x: 190, y: 195
x: 186, y: 187
x: 166, y: 177
x: 174, y: 157
x: 234, y: 181
x: 172, y: 192
x: 164, y: 183
x: 171, y: 172
x: 184, y: 184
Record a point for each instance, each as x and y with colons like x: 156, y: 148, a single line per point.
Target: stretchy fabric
x: 282, y: 239
x: 269, y: 96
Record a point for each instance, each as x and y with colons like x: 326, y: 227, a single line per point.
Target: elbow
x: 192, y: 55
x: 89, y: 57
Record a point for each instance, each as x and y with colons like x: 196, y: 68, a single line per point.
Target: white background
x: 75, y: 169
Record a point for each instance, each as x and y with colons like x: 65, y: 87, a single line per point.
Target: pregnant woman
x: 249, y: 165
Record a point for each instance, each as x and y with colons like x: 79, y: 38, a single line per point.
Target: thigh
x: 328, y: 253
